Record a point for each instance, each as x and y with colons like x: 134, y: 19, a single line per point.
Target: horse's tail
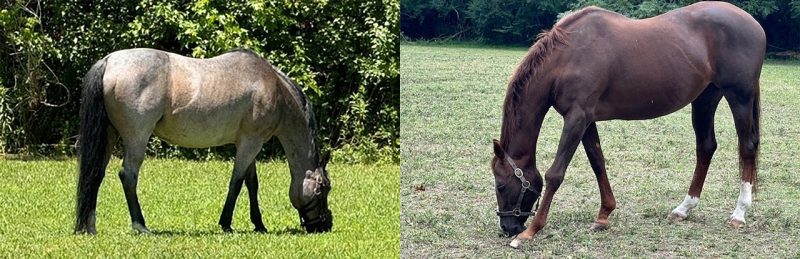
x: 93, y: 148
x: 756, y: 132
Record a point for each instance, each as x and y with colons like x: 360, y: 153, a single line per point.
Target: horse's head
x: 517, y: 186
x: 315, y: 215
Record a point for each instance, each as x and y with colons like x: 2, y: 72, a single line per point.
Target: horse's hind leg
x: 745, y: 108
x: 251, y: 181
x: 591, y: 143
x: 246, y: 151
x: 703, y: 110
x: 129, y: 176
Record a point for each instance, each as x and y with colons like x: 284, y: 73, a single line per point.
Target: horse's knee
x: 554, y: 178
x: 708, y: 146
x: 127, y: 177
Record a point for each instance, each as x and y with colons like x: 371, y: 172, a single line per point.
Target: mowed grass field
x: 451, y: 101
x: 182, y: 200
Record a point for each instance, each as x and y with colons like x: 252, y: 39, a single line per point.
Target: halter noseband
x: 526, y: 185
x: 323, y: 215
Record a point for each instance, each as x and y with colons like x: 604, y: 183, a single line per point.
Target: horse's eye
x: 500, y: 187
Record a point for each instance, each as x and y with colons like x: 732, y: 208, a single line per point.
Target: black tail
x: 93, y: 147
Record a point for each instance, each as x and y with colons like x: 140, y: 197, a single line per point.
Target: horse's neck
x: 298, y: 142
x: 521, y: 138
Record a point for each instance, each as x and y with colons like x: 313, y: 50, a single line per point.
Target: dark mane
x: 297, y: 93
x: 302, y: 101
x: 244, y: 50
x: 528, y: 67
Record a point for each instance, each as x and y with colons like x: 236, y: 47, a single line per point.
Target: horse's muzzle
x: 323, y: 223
x: 512, y: 225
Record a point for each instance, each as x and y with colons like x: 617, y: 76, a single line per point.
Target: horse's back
x: 639, y: 69
x: 225, y: 96
x: 190, y: 102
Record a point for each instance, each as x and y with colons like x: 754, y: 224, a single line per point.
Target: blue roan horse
x: 237, y: 98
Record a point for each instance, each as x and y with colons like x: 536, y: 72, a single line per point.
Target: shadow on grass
x: 35, y: 157
x: 202, y: 233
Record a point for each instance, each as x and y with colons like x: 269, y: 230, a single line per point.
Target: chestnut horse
x: 597, y: 65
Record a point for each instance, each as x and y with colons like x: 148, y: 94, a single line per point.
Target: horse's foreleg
x: 129, y: 176
x: 703, y: 110
x: 246, y: 151
x: 251, y: 181
x: 575, y: 124
x: 746, y: 120
x: 591, y: 143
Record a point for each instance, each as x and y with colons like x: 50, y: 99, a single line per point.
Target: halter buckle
x: 517, y: 172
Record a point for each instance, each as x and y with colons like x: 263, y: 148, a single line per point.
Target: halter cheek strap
x: 322, y: 215
x: 526, y: 185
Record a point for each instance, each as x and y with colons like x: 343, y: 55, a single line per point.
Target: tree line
x: 517, y: 22
x: 344, y: 54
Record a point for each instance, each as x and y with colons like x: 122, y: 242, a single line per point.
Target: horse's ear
x: 498, y: 151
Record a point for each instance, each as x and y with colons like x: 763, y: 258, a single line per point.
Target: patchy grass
x: 451, y: 99
x: 182, y: 200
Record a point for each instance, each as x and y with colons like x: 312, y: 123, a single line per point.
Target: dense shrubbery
x: 345, y: 54
x: 519, y: 21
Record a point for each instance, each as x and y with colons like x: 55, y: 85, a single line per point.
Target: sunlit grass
x: 181, y: 201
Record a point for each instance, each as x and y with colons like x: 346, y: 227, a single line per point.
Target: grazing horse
x: 597, y: 65
x: 237, y: 97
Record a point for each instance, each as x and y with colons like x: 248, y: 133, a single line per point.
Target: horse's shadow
x: 201, y: 233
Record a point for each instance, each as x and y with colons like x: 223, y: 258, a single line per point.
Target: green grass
x: 451, y: 101
x: 181, y: 201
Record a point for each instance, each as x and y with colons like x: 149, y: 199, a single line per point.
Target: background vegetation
x: 345, y: 55
x: 518, y: 22
x: 451, y: 100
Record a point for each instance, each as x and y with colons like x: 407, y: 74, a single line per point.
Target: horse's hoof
x: 736, y: 224
x: 518, y: 240
x: 227, y: 229
x: 86, y: 231
x: 599, y: 226
x: 140, y: 229
x: 676, y: 217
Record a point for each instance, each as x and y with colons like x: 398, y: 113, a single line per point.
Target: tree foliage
x: 519, y: 21
x: 345, y: 55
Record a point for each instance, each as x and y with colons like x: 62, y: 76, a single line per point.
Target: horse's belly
x: 643, y: 111
x: 645, y: 105
x: 198, y: 131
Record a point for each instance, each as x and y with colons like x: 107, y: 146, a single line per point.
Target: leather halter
x: 323, y: 214
x: 526, y: 185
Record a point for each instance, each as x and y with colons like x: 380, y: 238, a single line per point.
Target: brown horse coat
x: 596, y: 65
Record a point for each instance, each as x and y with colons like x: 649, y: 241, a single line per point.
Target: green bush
x: 345, y: 55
